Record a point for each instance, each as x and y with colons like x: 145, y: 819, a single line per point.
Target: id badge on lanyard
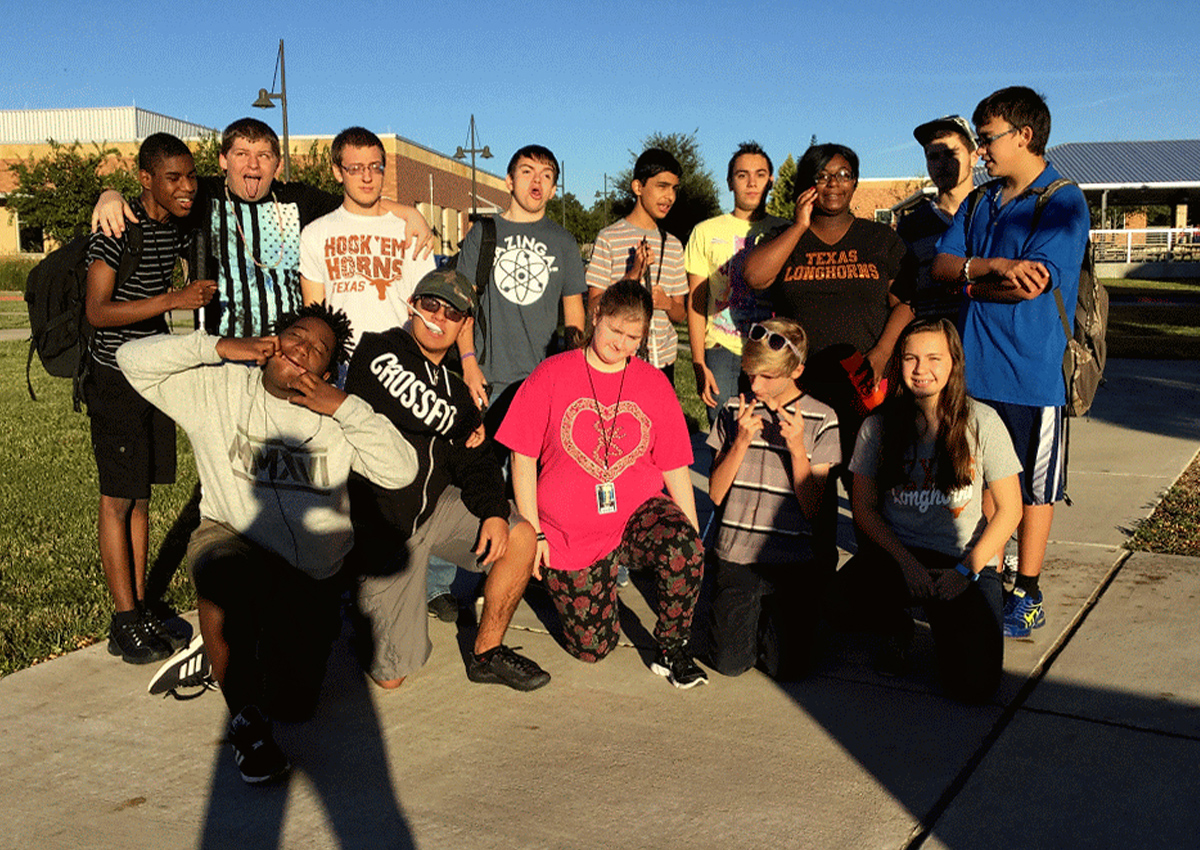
x: 606, y: 498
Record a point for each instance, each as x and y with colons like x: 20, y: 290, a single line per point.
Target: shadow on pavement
x: 1156, y: 396
x: 339, y: 759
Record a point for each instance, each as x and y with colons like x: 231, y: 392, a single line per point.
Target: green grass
x: 1174, y: 527
x: 1130, y: 286
x: 1150, y: 331
x: 694, y: 409
x: 52, y: 593
x: 13, y: 315
x: 13, y: 272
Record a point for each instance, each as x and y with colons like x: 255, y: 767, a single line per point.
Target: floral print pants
x: 658, y: 537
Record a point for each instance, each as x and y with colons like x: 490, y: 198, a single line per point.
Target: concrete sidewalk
x: 1092, y: 741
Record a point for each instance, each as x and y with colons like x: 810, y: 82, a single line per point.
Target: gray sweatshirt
x: 272, y: 470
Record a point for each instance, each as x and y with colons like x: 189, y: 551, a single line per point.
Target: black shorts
x: 133, y: 441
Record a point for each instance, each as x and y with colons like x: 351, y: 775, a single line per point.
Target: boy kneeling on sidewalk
x: 774, y: 453
x: 274, y: 448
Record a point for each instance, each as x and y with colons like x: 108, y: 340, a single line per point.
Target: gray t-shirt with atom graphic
x: 537, y: 264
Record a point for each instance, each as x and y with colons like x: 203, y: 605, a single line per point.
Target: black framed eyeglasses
x: 772, y: 339
x: 430, y: 304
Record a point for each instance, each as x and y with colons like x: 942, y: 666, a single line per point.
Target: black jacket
x: 432, y: 408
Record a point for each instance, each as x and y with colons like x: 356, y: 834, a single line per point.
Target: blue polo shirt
x: 1014, y: 352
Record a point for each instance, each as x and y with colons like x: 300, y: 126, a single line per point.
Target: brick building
x: 438, y: 185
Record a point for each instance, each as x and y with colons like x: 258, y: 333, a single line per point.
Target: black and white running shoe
x: 679, y: 669
x: 185, y: 675
x: 257, y: 755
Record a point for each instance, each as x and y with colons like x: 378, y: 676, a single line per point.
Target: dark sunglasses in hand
x: 431, y: 305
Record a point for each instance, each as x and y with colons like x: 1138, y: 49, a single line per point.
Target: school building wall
x: 438, y: 185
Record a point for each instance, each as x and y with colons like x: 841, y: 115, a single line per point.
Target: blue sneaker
x: 1022, y: 614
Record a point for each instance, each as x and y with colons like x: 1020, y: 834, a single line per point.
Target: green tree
x: 205, y: 154
x: 697, y: 198
x: 782, y: 202
x: 58, y: 191
x: 316, y: 168
x: 581, y: 223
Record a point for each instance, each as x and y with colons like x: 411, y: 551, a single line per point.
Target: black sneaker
x: 160, y: 630
x: 503, y: 666
x: 679, y: 669
x: 136, y: 644
x: 188, y: 670
x: 444, y: 607
x: 257, y: 755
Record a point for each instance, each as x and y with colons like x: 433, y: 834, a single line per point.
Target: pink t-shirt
x: 556, y: 418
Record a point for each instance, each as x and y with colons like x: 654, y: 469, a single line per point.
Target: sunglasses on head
x: 773, y: 340
x: 431, y: 305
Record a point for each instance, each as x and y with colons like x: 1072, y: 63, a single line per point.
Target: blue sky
x: 591, y: 80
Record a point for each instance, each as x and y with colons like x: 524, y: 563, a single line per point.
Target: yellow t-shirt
x: 716, y: 251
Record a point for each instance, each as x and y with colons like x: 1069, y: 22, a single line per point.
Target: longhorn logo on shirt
x: 356, y: 261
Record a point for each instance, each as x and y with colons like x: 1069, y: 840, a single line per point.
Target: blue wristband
x: 966, y: 571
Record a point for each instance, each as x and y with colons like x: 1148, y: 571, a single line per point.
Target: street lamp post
x: 472, y: 150
x: 264, y: 102
x: 597, y: 194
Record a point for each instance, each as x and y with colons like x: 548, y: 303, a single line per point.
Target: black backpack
x: 1086, y: 351
x: 483, y: 274
x: 56, y: 296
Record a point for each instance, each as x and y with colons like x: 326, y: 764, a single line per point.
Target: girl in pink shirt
x: 595, y: 435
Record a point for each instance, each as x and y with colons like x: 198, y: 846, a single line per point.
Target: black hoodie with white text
x: 432, y: 408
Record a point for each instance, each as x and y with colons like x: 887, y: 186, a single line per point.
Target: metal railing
x: 1146, y: 245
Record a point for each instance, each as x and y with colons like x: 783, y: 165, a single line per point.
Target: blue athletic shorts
x: 1038, y: 436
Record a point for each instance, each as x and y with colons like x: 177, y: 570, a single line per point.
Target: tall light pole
x: 472, y: 150
x: 597, y: 194
x: 264, y: 102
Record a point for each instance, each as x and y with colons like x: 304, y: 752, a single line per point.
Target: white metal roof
x: 91, y: 124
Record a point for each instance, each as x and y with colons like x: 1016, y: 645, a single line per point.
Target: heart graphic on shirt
x: 595, y: 422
